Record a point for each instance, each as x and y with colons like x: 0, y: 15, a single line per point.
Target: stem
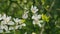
x: 14, y: 32
x: 42, y: 29
x: 52, y: 5
x: 3, y: 32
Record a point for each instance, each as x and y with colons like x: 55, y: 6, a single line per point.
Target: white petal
x: 34, y: 9
x: 25, y: 33
x: 33, y: 33
x: 11, y: 28
x: 16, y: 27
x: 39, y: 16
x: 1, y: 27
x: 11, y: 23
x: 4, y: 16
x: 7, y: 31
x: 25, y: 16
x: 31, y: 8
x: 41, y: 21
x: 1, y: 31
x: 25, y: 1
x: 33, y: 17
x: 3, y: 22
x: 20, y: 26
x: 8, y: 18
x: 16, y: 20
x: 25, y: 8
x: 23, y: 24
x: 39, y: 25
x: 6, y: 28
x: 0, y: 18
x: 34, y: 22
x: 36, y: 17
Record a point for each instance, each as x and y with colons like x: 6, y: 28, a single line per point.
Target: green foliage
x: 50, y: 10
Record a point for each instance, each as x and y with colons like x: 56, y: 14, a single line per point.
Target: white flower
x: 33, y: 33
x: 38, y: 22
x: 25, y: 15
x: 34, y: 9
x: 6, y: 18
x: 11, y: 28
x: 5, y: 27
x: 1, y: 27
x: 10, y: 23
x: 16, y: 20
x: 36, y: 17
x: 3, y: 22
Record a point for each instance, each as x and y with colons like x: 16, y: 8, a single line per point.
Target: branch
x: 52, y: 5
x: 42, y: 29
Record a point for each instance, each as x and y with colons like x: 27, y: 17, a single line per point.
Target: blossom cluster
x: 36, y: 17
x: 8, y: 23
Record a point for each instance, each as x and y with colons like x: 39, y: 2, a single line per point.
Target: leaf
x: 43, y: 2
x: 23, y: 20
x: 45, y: 18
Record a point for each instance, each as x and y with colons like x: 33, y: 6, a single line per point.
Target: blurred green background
x: 15, y: 8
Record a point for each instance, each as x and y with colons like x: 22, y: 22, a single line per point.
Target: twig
x: 3, y: 32
x: 58, y: 9
x: 52, y: 5
x: 42, y: 29
x: 14, y: 32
